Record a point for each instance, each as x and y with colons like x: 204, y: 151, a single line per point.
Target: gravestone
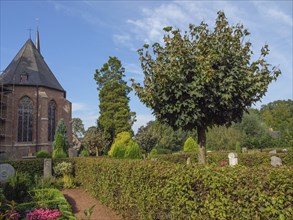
x: 188, y: 161
x: 233, y: 159
x: 285, y: 150
x: 6, y: 171
x: 244, y: 150
x: 273, y: 152
x: 48, y: 167
x: 276, y: 161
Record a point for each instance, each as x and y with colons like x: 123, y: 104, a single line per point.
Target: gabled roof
x: 29, y: 68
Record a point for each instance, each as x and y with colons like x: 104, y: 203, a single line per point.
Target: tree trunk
x: 201, y: 134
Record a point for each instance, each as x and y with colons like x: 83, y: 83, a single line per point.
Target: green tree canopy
x: 95, y: 141
x: 78, y: 127
x: 223, y: 138
x: 255, y: 133
x: 203, y: 77
x: 115, y: 115
x: 278, y: 115
x: 161, y: 136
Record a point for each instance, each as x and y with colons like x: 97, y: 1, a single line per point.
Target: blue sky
x: 77, y: 37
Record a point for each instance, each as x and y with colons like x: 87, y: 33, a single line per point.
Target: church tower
x: 32, y: 102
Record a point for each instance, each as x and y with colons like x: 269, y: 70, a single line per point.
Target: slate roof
x: 29, y: 68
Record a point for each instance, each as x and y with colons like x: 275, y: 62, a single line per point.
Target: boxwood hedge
x: 162, y: 190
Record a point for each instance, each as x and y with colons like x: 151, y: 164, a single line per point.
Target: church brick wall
x: 40, y: 97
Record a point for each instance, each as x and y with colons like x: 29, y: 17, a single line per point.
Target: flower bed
x: 43, y: 204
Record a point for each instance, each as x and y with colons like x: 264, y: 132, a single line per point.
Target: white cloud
x: 83, y: 10
x: 280, y: 16
x: 89, y: 118
x: 273, y: 12
x: 179, y: 14
x: 86, y: 113
x: 78, y: 106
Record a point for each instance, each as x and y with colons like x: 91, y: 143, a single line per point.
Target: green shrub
x: 59, y: 146
x: 84, y: 153
x: 118, y: 151
x: 59, y: 154
x: 238, y: 147
x: 163, y: 150
x: 153, y: 153
x: 122, y: 138
x: 43, y: 154
x: 133, y: 151
x: 66, y: 170
x: 159, y: 190
x: 190, y: 145
x: 41, y: 182
x: 17, y: 187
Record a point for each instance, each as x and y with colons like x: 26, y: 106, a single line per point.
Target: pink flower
x: 41, y: 214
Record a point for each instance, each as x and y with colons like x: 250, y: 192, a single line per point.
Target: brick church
x: 32, y: 102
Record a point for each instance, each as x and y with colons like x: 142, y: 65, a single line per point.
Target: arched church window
x: 51, y: 120
x: 25, y: 120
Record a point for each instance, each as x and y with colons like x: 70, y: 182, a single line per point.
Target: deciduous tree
x: 203, y: 77
x: 77, y: 127
x: 95, y: 141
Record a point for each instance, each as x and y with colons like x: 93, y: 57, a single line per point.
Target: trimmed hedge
x: 31, y: 166
x: 160, y: 190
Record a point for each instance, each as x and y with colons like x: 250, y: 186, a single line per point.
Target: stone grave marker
x: 244, y: 150
x: 48, y: 167
x: 233, y: 159
x: 188, y: 161
x: 273, y: 152
x: 276, y: 161
x: 6, y: 171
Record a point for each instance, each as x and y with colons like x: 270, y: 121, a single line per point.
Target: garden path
x: 80, y: 200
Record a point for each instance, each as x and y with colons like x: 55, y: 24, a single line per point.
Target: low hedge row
x: 35, y: 166
x: 245, y: 159
x: 31, y: 166
x: 160, y: 190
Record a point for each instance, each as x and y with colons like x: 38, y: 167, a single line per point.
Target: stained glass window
x: 51, y: 120
x: 25, y: 120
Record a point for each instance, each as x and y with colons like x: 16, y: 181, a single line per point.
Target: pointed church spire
x: 38, y: 40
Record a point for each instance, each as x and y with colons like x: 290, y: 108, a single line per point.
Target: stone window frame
x: 52, y: 113
x: 25, y: 119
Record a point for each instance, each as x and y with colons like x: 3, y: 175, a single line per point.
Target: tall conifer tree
x: 115, y: 114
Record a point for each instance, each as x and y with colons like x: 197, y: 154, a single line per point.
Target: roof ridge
x: 34, y: 55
